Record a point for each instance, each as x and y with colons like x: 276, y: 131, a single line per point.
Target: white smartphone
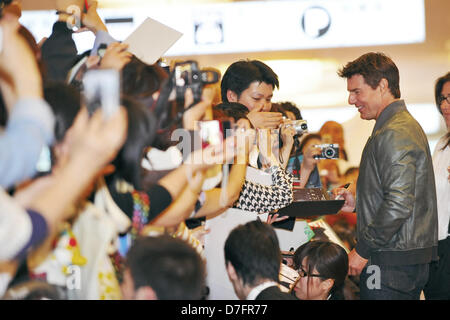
x: 101, y: 89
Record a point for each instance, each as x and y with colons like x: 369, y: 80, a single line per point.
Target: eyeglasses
x: 302, y: 273
x: 442, y: 98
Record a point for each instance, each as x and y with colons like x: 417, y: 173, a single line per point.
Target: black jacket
x: 59, y: 52
x: 274, y: 293
x: 396, y: 197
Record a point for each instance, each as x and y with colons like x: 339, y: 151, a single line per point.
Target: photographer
x: 252, y: 83
x: 303, y: 164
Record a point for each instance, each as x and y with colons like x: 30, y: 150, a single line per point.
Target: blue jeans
x: 394, y: 282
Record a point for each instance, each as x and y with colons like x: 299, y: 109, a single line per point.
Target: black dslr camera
x: 170, y: 106
x: 188, y: 75
x: 329, y: 151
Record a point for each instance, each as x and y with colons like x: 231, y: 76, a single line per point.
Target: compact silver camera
x: 300, y: 126
x: 328, y: 151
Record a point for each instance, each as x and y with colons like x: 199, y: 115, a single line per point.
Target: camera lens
x: 329, y: 152
x: 304, y: 126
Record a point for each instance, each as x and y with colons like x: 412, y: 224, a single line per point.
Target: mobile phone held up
x: 210, y: 133
x: 213, y: 132
x: 102, y: 90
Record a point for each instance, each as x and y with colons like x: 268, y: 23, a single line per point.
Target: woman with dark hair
x: 322, y: 268
x: 438, y: 286
x: 303, y: 165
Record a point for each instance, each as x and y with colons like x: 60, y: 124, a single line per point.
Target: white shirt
x: 441, y: 160
x: 259, y: 288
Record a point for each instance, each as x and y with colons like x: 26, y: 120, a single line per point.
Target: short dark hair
x: 307, y: 138
x: 374, y: 67
x: 234, y: 110
x: 170, y: 266
x: 241, y: 74
x: 34, y: 290
x: 437, y: 95
x: 438, y: 89
x: 289, y: 106
x: 141, y: 80
x: 65, y: 102
x: 328, y: 258
x: 254, y: 252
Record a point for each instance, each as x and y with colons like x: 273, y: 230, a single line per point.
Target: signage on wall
x: 316, y: 21
x: 264, y: 25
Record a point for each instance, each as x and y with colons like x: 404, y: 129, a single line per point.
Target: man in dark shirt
x: 253, y: 260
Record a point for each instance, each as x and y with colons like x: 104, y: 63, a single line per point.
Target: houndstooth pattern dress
x: 260, y: 198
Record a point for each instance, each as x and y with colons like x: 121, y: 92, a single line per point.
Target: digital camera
x: 328, y: 151
x: 300, y: 126
x: 188, y: 75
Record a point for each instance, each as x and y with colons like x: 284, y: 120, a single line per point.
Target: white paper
x: 151, y: 40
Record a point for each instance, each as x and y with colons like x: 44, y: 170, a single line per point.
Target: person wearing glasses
x: 322, y: 268
x: 438, y: 286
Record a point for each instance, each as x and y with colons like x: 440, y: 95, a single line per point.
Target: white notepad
x: 151, y: 40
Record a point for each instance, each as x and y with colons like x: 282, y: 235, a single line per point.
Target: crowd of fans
x: 120, y: 213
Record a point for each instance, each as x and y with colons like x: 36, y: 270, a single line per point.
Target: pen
x: 340, y: 197
x: 86, y: 5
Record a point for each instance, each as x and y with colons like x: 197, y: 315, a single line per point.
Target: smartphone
x: 102, y: 90
x: 210, y: 133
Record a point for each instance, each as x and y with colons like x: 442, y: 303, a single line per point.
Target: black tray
x: 303, y: 209
x: 311, y: 202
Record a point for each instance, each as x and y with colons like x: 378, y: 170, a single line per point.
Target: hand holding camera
x: 197, y: 111
x: 264, y: 120
x: 188, y: 75
x: 299, y: 126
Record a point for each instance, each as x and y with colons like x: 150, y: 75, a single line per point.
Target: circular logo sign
x: 316, y: 21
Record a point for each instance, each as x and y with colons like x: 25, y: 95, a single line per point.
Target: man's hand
x: 355, y: 263
x: 264, y: 120
x: 349, y: 205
